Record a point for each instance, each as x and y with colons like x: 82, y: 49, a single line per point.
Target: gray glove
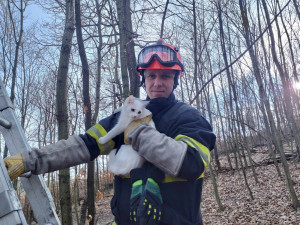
x: 157, y: 148
x: 61, y: 155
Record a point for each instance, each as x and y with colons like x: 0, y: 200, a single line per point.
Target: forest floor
x: 271, y: 204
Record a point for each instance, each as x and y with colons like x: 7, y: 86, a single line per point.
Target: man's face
x: 159, y: 83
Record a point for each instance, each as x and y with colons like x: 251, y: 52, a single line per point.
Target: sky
x: 34, y: 13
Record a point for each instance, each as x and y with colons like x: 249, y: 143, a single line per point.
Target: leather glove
x: 164, y: 152
x: 14, y: 165
x: 136, y: 177
x: 146, y: 201
x: 133, y: 125
x: 150, y: 208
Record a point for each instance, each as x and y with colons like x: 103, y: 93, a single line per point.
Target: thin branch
x: 243, y: 53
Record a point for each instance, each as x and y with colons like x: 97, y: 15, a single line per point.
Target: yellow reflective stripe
x: 124, y: 176
x: 168, y: 179
x: 203, y: 150
x: 114, y: 223
x: 98, y: 131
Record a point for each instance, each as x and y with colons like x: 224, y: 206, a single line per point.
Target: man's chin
x: 158, y: 95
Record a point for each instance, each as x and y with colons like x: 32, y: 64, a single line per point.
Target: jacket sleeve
x: 63, y: 154
x: 93, y: 134
x: 73, y: 151
x: 194, y: 130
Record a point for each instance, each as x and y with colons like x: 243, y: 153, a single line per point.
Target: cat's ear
x: 130, y: 99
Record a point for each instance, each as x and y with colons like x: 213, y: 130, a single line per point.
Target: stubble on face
x: 159, y: 83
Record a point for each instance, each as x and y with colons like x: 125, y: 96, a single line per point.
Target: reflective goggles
x: 164, y: 54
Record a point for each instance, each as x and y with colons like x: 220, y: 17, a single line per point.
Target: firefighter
x: 167, y: 189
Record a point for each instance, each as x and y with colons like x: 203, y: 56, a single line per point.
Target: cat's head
x: 135, y: 108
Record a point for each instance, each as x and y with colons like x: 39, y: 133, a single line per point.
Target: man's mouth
x: 156, y: 91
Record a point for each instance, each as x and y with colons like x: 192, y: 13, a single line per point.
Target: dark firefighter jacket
x: 182, y: 194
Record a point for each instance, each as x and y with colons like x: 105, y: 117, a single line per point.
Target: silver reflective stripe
x: 106, y: 146
x: 202, y: 154
x: 96, y: 131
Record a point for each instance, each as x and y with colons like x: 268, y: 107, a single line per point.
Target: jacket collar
x: 157, y: 104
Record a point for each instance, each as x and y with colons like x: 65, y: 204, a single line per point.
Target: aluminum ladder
x: 36, y: 190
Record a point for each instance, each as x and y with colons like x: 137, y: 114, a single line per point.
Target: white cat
x: 127, y: 158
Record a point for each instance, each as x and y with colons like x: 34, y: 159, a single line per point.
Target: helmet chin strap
x: 176, y: 79
x: 142, y: 84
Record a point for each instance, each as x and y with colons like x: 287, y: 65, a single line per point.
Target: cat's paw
x: 102, y: 140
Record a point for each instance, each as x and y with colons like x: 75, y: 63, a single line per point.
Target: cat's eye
x: 132, y: 110
x: 139, y: 112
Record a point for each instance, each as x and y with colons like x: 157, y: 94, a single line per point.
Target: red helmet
x: 160, y: 56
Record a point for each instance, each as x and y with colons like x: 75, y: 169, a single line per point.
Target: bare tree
x: 127, y: 54
x: 62, y: 111
x: 163, y: 20
x: 87, y: 110
x: 289, y: 109
x: 18, y: 34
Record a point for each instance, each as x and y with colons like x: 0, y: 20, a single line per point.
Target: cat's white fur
x: 127, y: 158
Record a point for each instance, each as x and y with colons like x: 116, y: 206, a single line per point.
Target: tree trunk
x: 290, y: 116
x: 86, y: 110
x: 211, y: 171
x: 296, y: 5
x: 225, y: 146
x: 18, y: 41
x: 99, y: 63
x: 265, y: 108
x: 75, y: 198
x: 62, y: 111
x: 128, y: 60
x: 83, y: 211
x: 195, y: 54
x: 213, y: 178
x: 285, y: 81
x: 216, y: 152
x: 234, y: 92
x: 163, y: 20
x: 124, y: 71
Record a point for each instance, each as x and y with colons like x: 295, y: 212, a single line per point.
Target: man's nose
x: 157, y: 81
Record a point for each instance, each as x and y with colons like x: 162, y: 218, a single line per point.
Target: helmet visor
x: 164, y: 54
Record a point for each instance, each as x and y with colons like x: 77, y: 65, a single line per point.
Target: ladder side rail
x: 10, y: 207
x: 36, y: 190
